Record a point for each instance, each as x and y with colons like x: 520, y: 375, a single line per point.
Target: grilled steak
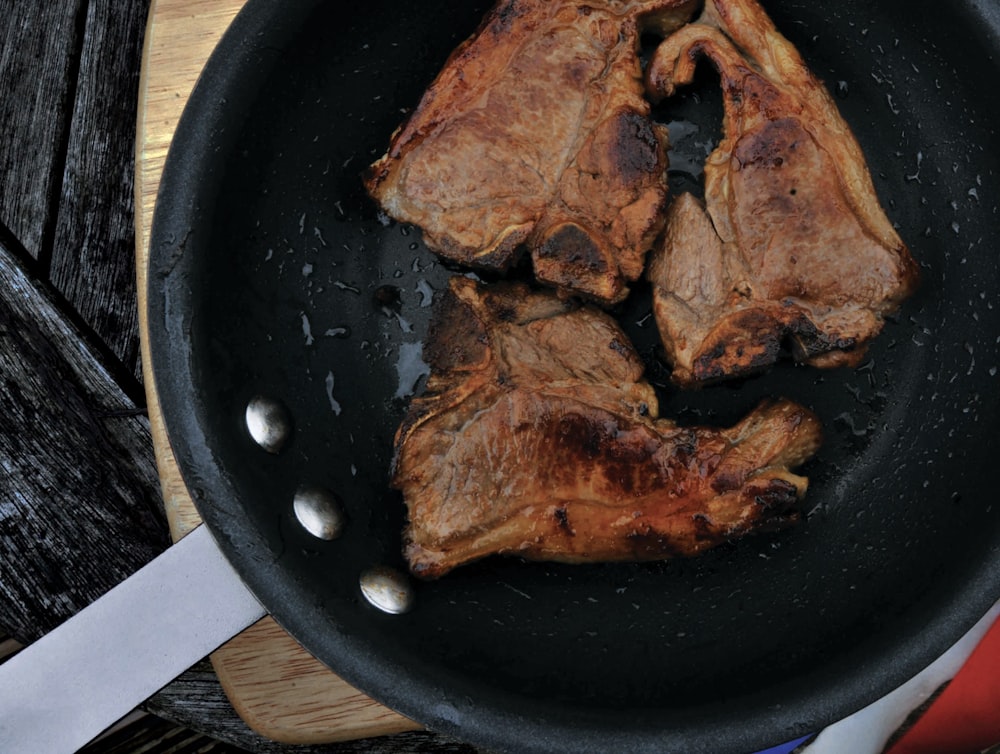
x: 537, y: 436
x: 536, y: 135
x: 791, y: 247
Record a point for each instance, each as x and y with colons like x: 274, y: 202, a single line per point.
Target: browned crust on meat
x: 538, y: 437
x: 535, y: 134
x: 791, y: 248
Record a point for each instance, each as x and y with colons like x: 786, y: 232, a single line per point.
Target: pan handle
x: 73, y: 683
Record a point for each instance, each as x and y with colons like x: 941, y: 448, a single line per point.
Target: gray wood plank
x: 80, y: 504
x: 93, y: 254
x: 39, y: 47
x: 152, y: 735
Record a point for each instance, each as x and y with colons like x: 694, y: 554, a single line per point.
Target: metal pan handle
x: 73, y: 683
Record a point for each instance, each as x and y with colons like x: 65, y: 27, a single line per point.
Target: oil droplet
x: 388, y: 296
x: 410, y: 367
x: 687, y: 155
x: 404, y: 324
x: 334, y: 403
x: 426, y: 293
x: 847, y: 420
x: 307, y: 329
x: 338, y: 332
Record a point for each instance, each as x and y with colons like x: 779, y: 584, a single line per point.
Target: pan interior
x: 274, y: 274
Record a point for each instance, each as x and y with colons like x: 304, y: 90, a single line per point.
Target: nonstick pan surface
x: 272, y: 273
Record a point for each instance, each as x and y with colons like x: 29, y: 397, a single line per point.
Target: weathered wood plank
x: 148, y: 733
x: 79, y: 494
x: 93, y: 254
x: 39, y: 47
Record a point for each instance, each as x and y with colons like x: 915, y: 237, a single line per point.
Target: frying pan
x: 273, y: 274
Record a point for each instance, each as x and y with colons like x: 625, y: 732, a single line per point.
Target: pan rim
x: 173, y: 258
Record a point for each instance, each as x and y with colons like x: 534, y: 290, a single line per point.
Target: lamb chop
x: 791, y: 246
x: 536, y: 135
x: 537, y: 436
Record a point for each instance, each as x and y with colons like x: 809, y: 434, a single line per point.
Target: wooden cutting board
x: 280, y: 690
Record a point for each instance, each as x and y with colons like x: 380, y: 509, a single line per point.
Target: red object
x: 965, y: 718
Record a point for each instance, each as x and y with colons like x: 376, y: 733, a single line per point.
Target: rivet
x: 269, y: 423
x: 319, y: 511
x: 387, y: 589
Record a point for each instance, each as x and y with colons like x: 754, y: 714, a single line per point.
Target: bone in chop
x: 536, y: 135
x: 537, y: 436
x: 791, y: 245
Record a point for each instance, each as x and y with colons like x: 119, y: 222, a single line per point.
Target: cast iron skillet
x: 266, y: 260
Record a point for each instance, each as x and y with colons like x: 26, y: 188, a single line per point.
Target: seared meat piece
x: 792, y: 246
x: 536, y: 134
x: 538, y: 437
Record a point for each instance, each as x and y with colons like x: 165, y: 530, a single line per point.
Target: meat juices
x: 791, y: 246
x: 536, y: 135
x: 537, y: 436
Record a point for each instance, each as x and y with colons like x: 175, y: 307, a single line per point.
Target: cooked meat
x: 536, y: 135
x: 537, y: 436
x: 791, y: 247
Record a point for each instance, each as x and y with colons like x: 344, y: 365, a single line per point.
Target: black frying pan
x: 266, y: 260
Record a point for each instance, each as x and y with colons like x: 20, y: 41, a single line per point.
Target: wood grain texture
x: 79, y: 496
x: 39, y: 44
x: 278, y: 689
x: 196, y: 703
x: 93, y: 254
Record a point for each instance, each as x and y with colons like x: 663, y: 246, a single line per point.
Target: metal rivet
x: 387, y: 589
x: 269, y: 423
x: 319, y: 511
